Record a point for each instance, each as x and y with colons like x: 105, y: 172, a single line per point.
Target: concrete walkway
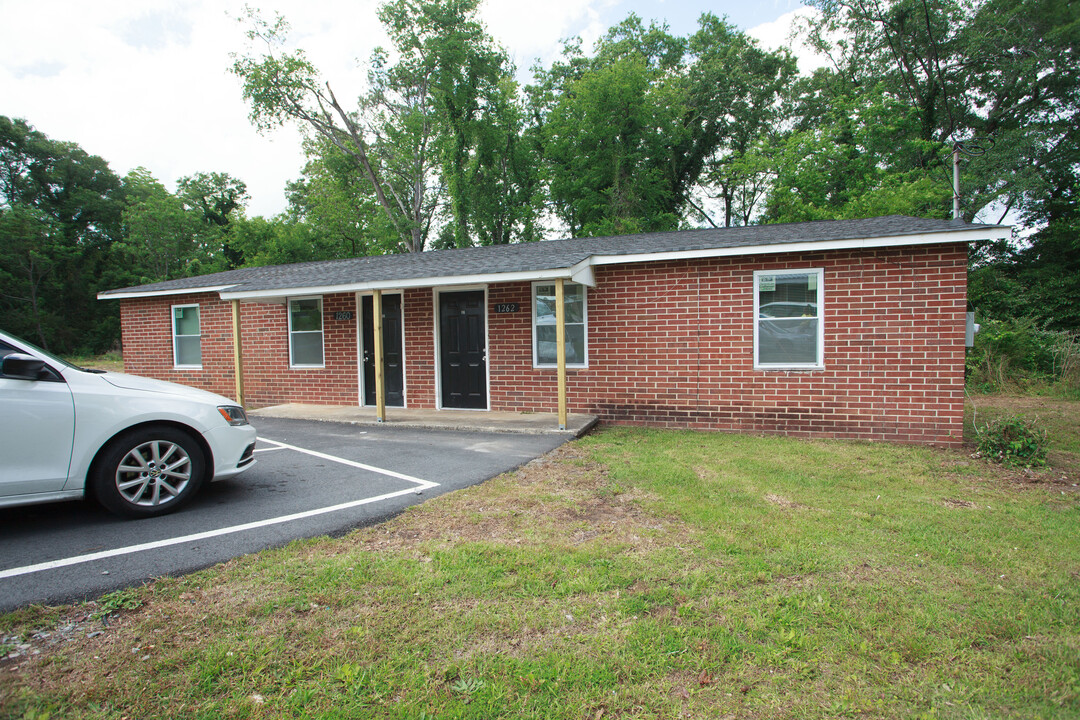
x: 479, y: 420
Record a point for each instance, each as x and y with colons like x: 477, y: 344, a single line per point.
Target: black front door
x: 463, y: 349
x: 393, y: 373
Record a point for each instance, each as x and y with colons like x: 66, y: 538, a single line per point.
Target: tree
x: 414, y: 135
x: 220, y: 199
x: 61, y: 210
x: 951, y: 72
x: 32, y: 251
x: 628, y: 133
x: 335, y: 201
x: 163, y: 239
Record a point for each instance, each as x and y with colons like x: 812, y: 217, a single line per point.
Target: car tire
x: 148, y: 471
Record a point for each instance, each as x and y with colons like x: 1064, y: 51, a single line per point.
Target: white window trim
x: 176, y: 350
x: 585, y: 322
x: 322, y: 330
x: 820, y: 364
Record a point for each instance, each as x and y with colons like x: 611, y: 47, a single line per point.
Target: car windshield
x: 48, y: 355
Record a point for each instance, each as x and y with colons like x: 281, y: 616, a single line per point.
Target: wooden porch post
x: 560, y: 351
x: 238, y: 353
x: 380, y: 385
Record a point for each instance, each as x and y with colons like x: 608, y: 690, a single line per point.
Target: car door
x: 37, y: 429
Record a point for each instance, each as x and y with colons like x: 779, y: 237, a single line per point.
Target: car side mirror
x: 18, y: 366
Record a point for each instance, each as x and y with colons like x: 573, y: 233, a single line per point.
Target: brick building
x: 849, y: 328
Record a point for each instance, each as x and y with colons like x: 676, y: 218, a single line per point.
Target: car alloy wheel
x: 154, y: 473
x: 147, y: 471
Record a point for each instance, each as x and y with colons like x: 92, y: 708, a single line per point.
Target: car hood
x: 135, y: 382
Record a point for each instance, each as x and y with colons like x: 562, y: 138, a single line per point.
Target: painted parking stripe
x: 90, y: 557
x: 352, y: 463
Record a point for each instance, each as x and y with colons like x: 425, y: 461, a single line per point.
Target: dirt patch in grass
x: 562, y: 497
x: 782, y: 501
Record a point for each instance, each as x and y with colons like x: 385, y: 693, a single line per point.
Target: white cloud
x: 148, y: 83
x: 781, y: 33
x: 532, y: 31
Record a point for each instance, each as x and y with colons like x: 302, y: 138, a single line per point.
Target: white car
x: 139, y: 447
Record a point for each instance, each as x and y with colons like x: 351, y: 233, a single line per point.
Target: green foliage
x: 1013, y: 440
x: 163, y: 239
x: 1018, y: 354
x: 60, y: 212
x: 126, y: 599
x: 437, y: 139
x: 628, y: 134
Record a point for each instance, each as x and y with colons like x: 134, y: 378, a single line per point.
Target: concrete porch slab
x: 577, y: 424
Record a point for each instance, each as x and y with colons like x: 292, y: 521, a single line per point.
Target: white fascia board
x: 420, y: 282
x: 160, y: 293
x: 964, y: 236
x: 582, y: 273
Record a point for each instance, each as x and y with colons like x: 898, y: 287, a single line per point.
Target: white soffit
x: 160, y: 293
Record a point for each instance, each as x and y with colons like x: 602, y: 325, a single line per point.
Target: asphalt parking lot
x: 311, y: 479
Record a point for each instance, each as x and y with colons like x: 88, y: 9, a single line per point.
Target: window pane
x: 574, y: 302
x: 307, y: 348
x: 787, y: 341
x: 545, y: 344
x: 546, y: 348
x: 545, y: 304
x: 187, y: 320
x: 188, y: 350
x: 787, y: 296
x: 306, y: 315
x: 575, y: 344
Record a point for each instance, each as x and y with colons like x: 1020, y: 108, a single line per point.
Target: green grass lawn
x: 633, y: 573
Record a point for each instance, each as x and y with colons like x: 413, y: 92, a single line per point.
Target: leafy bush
x: 1013, y: 440
x: 1016, y: 354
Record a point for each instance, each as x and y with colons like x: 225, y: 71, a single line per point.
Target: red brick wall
x: 268, y: 379
x: 419, y: 317
x: 670, y: 344
x: 146, y: 337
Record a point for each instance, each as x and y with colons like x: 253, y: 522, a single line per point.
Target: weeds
x: 126, y: 599
x: 1016, y: 355
x: 1013, y: 440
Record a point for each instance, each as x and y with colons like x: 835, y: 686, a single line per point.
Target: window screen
x: 305, y: 332
x: 544, y: 337
x: 187, y: 340
x: 788, y: 324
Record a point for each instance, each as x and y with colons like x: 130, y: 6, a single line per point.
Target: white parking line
x: 90, y: 557
x: 352, y: 463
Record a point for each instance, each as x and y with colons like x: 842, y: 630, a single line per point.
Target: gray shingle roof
x: 548, y: 255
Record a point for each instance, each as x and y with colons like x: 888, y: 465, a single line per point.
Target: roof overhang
x: 582, y: 272
x: 405, y: 284
x: 955, y: 236
x: 159, y: 293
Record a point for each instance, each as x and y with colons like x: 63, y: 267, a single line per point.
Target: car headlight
x: 233, y: 414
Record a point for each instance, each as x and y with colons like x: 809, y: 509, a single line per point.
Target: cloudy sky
x: 147, y: 82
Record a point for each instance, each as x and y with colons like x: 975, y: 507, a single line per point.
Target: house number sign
x: 343, y: 315
x: 506, y: 307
